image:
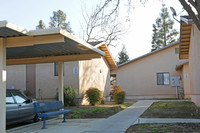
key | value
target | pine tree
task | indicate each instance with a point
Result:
(122, 56)
(163, 32)
(41, 25)
(59, 20)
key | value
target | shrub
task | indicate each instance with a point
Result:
(118, 94)
(93, 96)
(70, 95)
(27, 93)
(119, 97)
(115, 89)
(102, 101)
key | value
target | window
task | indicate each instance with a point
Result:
(163, 78)
(19, 97)
(75, 70)
(176, 50)
(9, 98)
(56, 68)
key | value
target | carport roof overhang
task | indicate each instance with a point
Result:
(42, 46)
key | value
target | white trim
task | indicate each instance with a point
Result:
(100, 44)
(44, 32)
(186, 20)
(13, 27)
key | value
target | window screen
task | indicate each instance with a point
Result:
(162, 78)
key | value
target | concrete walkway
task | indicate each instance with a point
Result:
(56, 126)
(166, 120)
(120, 122)
(117, 123)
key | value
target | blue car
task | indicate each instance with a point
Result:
(19, 108)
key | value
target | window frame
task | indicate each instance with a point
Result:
(14, 102)
(163, 79)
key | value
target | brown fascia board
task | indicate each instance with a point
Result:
(109, 55)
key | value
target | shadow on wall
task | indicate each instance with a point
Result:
(93, 77)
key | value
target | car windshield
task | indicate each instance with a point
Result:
(20, 98)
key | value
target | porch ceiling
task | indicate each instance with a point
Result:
(25, 47)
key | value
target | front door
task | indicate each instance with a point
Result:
(31, 79)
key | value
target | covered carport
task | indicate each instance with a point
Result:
(19, 46)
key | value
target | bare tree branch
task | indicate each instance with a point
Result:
(187, 7)
(102, 24)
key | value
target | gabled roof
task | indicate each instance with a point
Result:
(102, 46)
(185, 36)
(40, 46)
(148, 54)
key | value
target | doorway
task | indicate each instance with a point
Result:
(31, 79)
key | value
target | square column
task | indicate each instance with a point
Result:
(60, 82)
(2, 86)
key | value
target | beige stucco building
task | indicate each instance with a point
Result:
(139, 77)
(148, 76)
(41, 79)
(189, 49)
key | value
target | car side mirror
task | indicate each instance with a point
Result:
(28, 100)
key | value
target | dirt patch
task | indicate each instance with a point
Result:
(172, 109)
(99, 111)
(165, 128)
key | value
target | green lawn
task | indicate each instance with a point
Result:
(165, 128)
(98, 111)
(172, 109)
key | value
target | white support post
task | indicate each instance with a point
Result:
(60, 82)
(2, 86)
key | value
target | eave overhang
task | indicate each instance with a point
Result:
(35, 45)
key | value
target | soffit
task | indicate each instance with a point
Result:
(185, 37)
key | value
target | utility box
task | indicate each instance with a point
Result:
(175, 81)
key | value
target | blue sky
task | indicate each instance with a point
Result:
(27, 13)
